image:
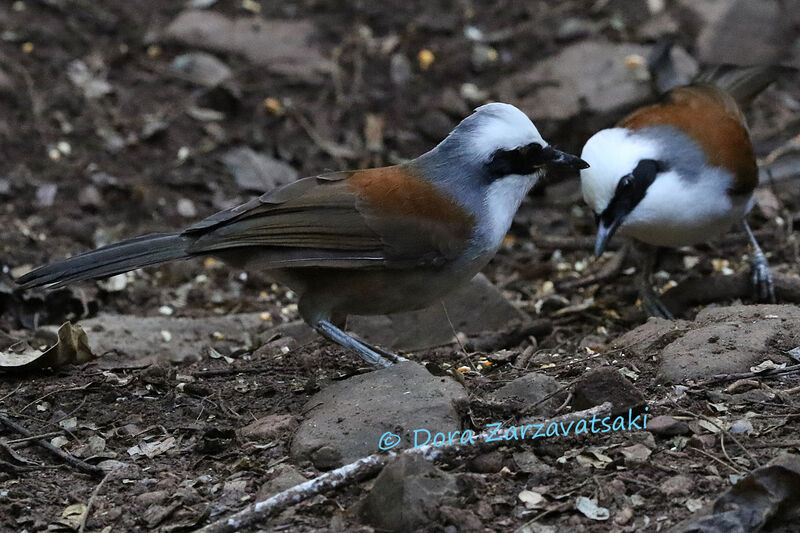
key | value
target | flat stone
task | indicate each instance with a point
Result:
(743, 32)
(529, 463)
(677, 486)
(201, 68)
(257, 172)
(269, 428)
(475, 308)
(284, 477)
(280, 46)
(126, 339)
(407, 495)
(667, 426)
(346, 420)
(731, 339)
(593, 74)
(606, 385)
(487, 463)
(530, 389)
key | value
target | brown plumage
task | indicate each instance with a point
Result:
(712, 118)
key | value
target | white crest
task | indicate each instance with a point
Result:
(493, 127)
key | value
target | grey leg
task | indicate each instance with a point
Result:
(760, 275)
(366, 352)
(651, 304)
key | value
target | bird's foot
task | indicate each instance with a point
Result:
(653, 306)
(761, 278)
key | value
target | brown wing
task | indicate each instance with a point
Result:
(367, 218)
(713, 119)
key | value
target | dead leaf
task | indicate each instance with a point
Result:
(73, 516)
(594, 458)
(767, 365)
(590, 509)
(636, 454)
(72, 347)
(767, 494)
(531, 499)
(152, 449)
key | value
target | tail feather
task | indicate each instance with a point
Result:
(110, 260)
(743, 83)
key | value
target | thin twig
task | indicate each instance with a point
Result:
(10, 394)
(16, 442)
(717, 459)
(722, 430)
(92, 498)
(67, 458)
(722, 378)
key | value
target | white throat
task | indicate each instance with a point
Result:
(502, 201)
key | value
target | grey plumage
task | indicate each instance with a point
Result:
(110, 260)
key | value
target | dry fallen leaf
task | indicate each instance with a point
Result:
(531, 499)
(72, 347)
(590, 509)
(73, 516)
(767, 365)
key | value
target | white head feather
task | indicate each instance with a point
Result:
(612, 154)
(496, 126)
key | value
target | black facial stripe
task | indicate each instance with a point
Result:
(523, 160)
(631, 189)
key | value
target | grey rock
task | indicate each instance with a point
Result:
(743, 32)
(529, 463)
(46, 194)
(407, 494)
(186, 208)
(269, 427)
(590, 73)
(280, 46)
(349, 417)
(399, 69)
(487, 463)
(284, 477)
(677, 486)
(667, 426)
(474, 308)
(125, 339)
(606, 385)
(90, 196)
(149, 498)
(256, 171)
(742, 426)
(201, 68)
(531, 389)
(731, 339)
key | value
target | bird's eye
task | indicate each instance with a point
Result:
(626, 182)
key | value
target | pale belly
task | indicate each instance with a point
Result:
(676, 235)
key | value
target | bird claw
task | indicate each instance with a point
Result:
(654, 307)
(761, 278)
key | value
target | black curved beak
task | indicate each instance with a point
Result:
(604, 234)
(553, 158)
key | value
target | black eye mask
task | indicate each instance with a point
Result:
(631, 189)
(517, 161)
(528, 159)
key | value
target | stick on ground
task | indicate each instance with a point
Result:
(365, 468)
(67, 458)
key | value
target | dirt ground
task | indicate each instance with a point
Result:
(101, 139)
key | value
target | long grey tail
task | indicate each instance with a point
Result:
(110, 260)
